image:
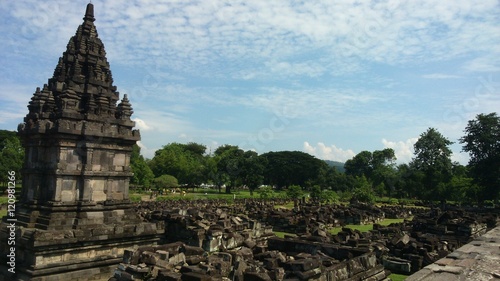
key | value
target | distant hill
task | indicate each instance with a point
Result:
(338, 165)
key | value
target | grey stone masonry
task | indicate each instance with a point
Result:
(74, 216)
(478, 260)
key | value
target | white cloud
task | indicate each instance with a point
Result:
(296, 59)
(402, 149)
(145, 151)
(211, 35)
(484, 64)
(440, 76)
(332, 152)
(141, 124)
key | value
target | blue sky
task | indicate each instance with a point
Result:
(330, 78)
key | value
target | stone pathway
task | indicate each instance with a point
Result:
(479, 260)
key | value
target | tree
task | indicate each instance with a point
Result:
(266, 192)
(230, 165)
(315, 193)
(142, 173)
(363, 191)
(360, 164)
(432, 158)
(461, 187)
(11, 157)
(329, 196)
(285, 168)
(235, 167)
(338, 181)
(183, 161)
(253, 167)
(165, 181)
(482, 142)
(294, 192)
(377, 167)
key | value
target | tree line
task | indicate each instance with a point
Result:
(430, 175)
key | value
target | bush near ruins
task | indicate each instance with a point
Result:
(165, 182)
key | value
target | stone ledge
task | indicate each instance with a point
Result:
(477, 260)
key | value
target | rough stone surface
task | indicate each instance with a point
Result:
(74, 213)
(478, 260)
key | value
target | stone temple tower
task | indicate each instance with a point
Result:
(74, 217)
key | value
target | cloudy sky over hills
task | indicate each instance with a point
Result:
(331, 78)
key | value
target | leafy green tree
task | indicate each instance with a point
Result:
(319, 195)
(294, 192)
(461, 187)
(482, 142)
(142, 173)
(285, 168)
(234, 167)
(183, 161)
(11, 157)
(338, 181)
(433, 160)
(363, 192)
(266, 192)
(408, 182)
(329, 196)
(165, 181)
(360, 164)
(377, 167)
(315, 193)
(5, 134)
(253, 170)
(230, 165)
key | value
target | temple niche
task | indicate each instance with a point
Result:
(74, 216)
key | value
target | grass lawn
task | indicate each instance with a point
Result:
(397, 277)
(364, 227)
(288, 206)
(3, 200)
(208, 193)
(282, 234)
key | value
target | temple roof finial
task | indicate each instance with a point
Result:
(89, 13)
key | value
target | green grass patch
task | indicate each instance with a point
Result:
(365, 227)
(208, 193)
(282, 234)
(135, 198)
(397, 277)
(3, 213)
(360, 227)
(386, 222)
(288, 206)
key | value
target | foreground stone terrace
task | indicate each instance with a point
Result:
(478, 260)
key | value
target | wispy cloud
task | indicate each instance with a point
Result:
(484, 64)
(402, 149)
(210, 70)
(440, 76)
(331, 152)
(217, 35)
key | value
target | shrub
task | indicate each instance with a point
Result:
(165, 181)
(266, 192)
(294, 192)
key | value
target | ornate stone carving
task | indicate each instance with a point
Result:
(76, 172)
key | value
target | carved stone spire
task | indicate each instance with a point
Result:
(89, 13)
(81, 87)
(124, 109)
(78, 144)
